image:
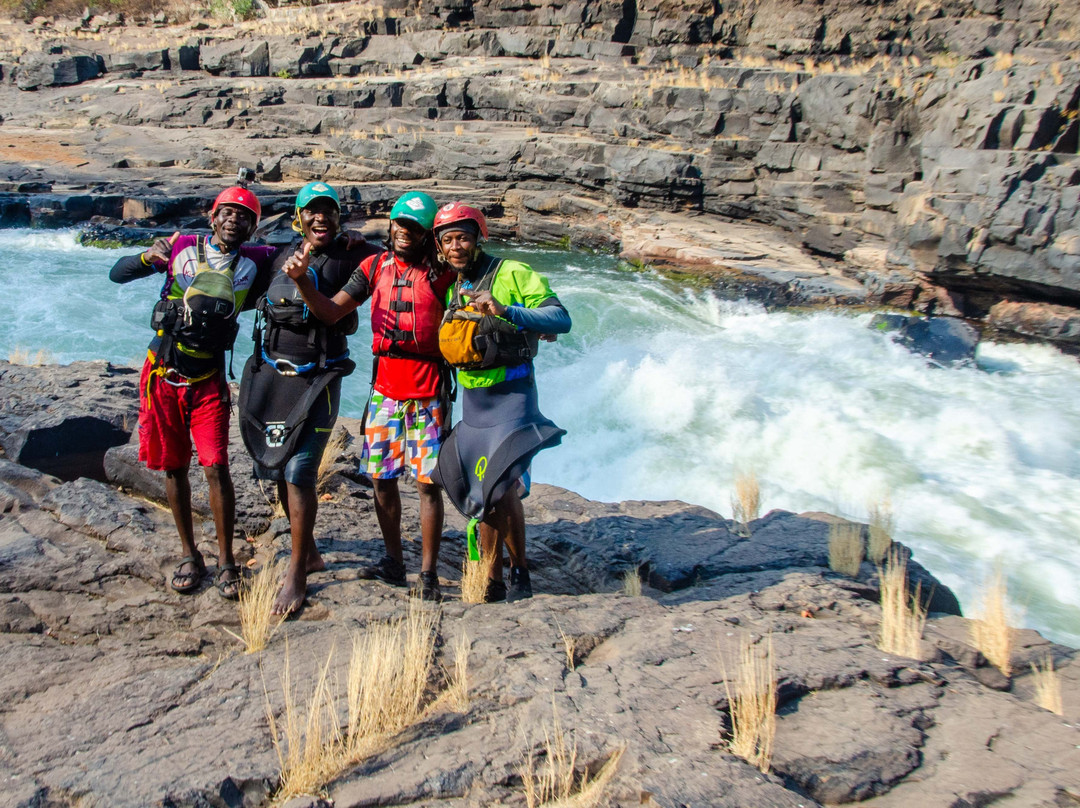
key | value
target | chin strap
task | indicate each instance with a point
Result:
(474, 551)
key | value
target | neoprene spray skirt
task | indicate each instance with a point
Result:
(500, 431)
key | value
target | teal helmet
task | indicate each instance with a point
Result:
(315, 190)
(417, 206)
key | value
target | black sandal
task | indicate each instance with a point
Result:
(224, 583)
(193, 578)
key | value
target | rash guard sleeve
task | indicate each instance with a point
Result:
(131, 268)
(550, 317)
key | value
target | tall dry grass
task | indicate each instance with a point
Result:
(555, 784)
(257, 595)
(384, 693)
(474, 579)
(882, 526)
(752, 700)
(902, 615)
(1047, 686)
(457, 689)
(990, 630)
(569, 647)
(746, 501)
(845, 548)
(334, 447)
(631, 583)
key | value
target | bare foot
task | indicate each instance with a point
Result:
(315, 562)
(291, 596)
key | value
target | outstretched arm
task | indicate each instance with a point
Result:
(327, 309)
(133, 267)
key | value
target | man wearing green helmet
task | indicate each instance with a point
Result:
(407, 413)
(291, 385)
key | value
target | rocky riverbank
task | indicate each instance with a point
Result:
(921, 156)
(118, 690)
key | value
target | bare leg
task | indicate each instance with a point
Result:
(388, 511)
(431, 524)
(302, 507)
(505, 524)
(223, 506)
(178, 493)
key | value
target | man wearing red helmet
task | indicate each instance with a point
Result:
(184, 396)
(483, 465)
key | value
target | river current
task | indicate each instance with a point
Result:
(670, 393)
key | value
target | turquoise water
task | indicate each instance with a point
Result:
(669, 393)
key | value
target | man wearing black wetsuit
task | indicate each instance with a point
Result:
(298, 365)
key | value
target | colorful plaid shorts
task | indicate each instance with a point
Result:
(400, 435)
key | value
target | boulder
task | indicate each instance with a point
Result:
(47, 70)
(236, 58)
(945, 341)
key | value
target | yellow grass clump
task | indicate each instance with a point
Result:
(990, 631)
(569, 647)
(22, 356)
(334, 447)
(882, 525)
(746, 500)
(752, 700)
(384, 694)
(903, 616)
(845, 548)
(474, 578)
(257, 594)
(1047, 686)
(555, 784)
(457, 690)
(631, 583)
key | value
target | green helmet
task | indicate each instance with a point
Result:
(315, 190)
(417, 206)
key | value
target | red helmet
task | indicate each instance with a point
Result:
(459, 212)
(238, 196)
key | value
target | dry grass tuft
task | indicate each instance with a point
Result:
(22, 356)
(334, 447)
(384, 693)
(555, 785)
(457, 690)
(902, 616)
(569, 647)
(746, 500)
(990, 631)
(1047, 686)
(631, 583)
(845, 548)
(474, 578)
(752, 701)
(257, 594)
(882, 525)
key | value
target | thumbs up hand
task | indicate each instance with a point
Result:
(161, 250)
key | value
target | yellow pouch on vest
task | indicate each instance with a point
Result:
(457, 335)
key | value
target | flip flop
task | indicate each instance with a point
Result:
(193, 578)
(224, 583)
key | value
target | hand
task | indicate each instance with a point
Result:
(549, 337)
(161, 250)
(353, 239)
(296, 265)
(484, 303)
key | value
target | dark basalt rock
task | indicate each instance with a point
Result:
(946, 341)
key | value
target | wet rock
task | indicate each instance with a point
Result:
(946, 341)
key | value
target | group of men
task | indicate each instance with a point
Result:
(442, 310)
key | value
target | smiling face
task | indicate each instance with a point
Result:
(232, 225)
(458, 247)
(407, 239)
(319, 222)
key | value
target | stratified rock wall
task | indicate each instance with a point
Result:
(943, 136)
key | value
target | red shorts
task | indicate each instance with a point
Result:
(171, 417)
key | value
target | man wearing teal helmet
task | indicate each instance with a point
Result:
(291, 385)
(408, 408)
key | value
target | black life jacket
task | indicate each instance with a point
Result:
(288, 335)
(199, 328)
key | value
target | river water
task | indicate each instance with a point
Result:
(669, 393)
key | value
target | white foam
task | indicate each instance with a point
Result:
(669, 394)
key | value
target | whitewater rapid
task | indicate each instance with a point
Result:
(670, 393)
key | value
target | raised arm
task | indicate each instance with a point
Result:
(133, 267)
(327, 309)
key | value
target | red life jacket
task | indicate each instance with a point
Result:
(406, 309)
